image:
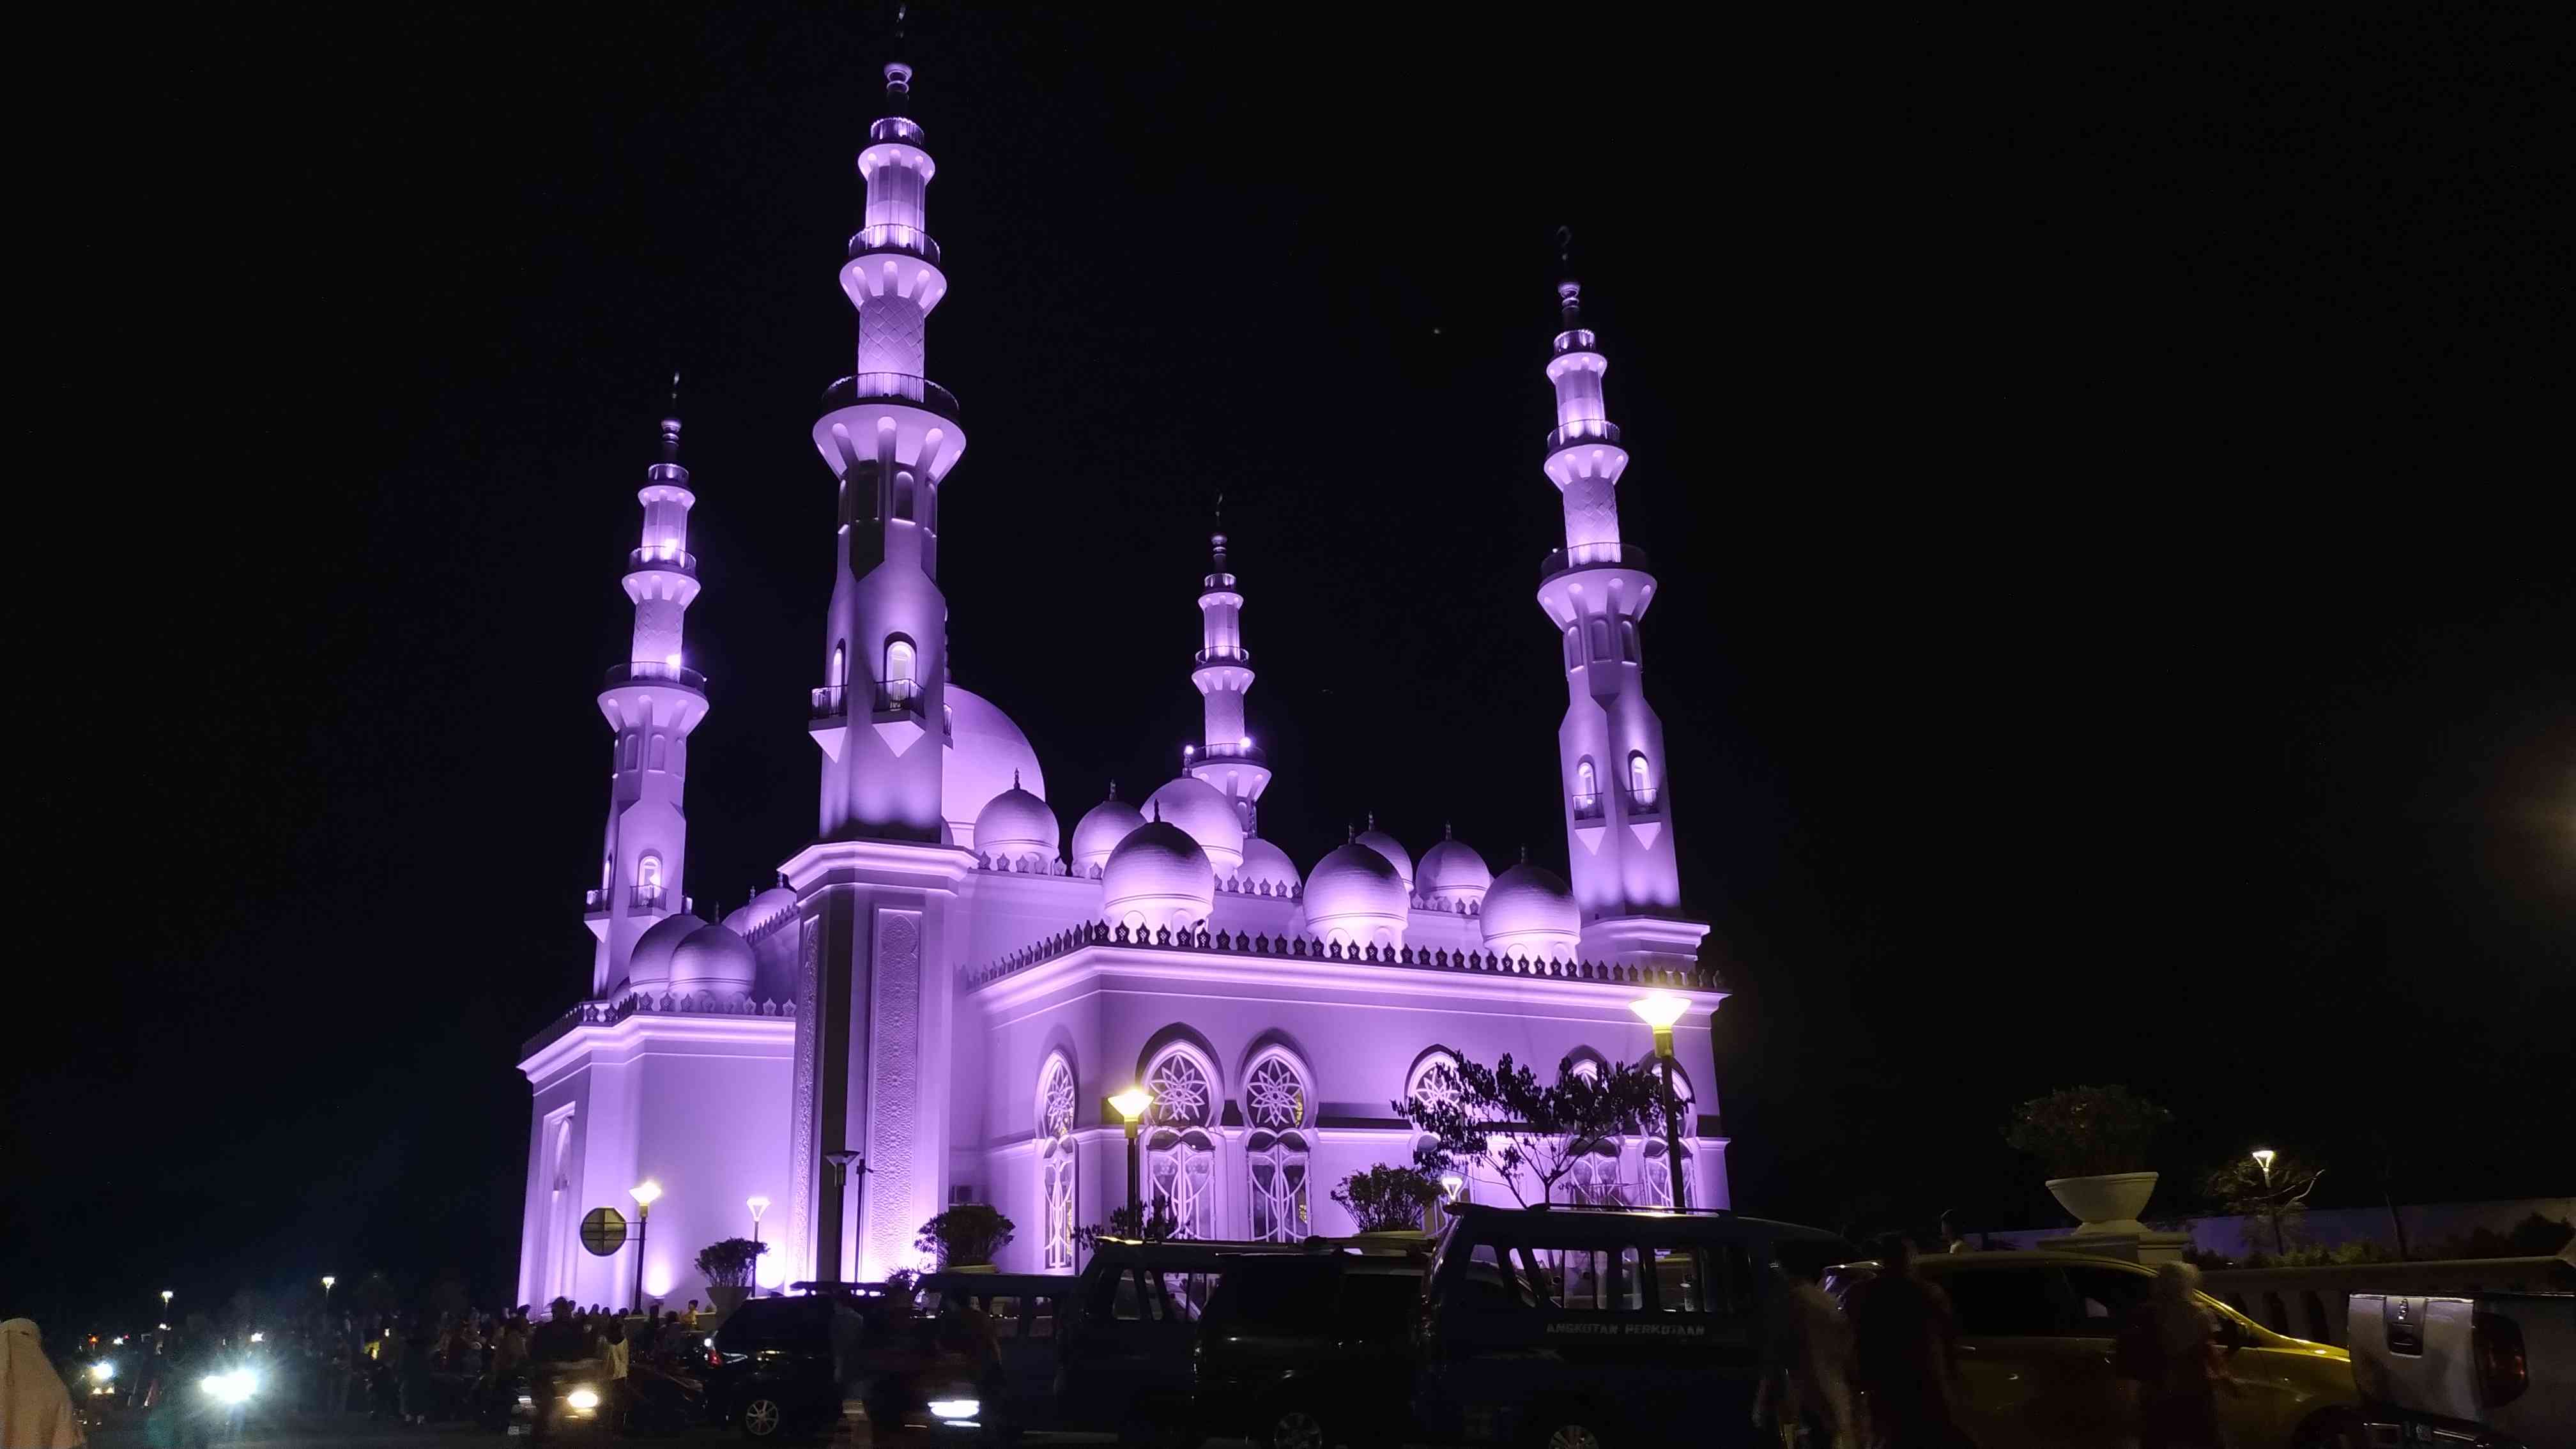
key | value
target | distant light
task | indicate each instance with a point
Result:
(583, 1398)
(1660, 1010)
(673, 661)
(645, 1193)
(955, 1408)
(104, 1371)
(327, 1281)
(257, 1337)
(758, 1205)
(1247, 742)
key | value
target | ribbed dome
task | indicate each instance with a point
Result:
(1530, 912)
(713, 959)
(984, 751)
(1015, 826)
(761, 912)
(648, 966)
(1157, 877)
(1355, 895)
(1101, 828)
(1202, 810)
(1453, 873)
(1393, 849)
(1266, 864)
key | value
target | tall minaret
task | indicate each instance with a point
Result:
(890, 435)
(652, 703)
(1222, 669)
(1610, 749)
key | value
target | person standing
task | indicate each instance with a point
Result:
(1906, 1347)
(35, 1408)
(2169, 1362)
(1806, 1363)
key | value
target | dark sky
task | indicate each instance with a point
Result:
(2113, 624)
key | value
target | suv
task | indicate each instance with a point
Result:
(1576, 1328)
(1308, 1352)
(2036, 1332)
(781, 1365)
(1126, 1364)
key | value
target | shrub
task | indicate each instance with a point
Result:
(1387, 1199)
(729, 1264)
(966, 1235)
(2087, 1131)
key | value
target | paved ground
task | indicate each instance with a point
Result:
(313, 1431)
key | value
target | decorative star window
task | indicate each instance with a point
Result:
(1180, 1089)
(1275, 1097)
(1056, 1117)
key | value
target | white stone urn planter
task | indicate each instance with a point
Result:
(726, 1297)
(2105, 1205)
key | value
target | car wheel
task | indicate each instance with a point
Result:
(1569, 1432)
(1293, 1426)
(762, 1417)
(2331, 1429)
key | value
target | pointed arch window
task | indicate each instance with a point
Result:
(1641, 782)
(1573, 648)
(840, 666)
(1278, 1103)
(1587, 790)
(661, 751)
(1600, 638)
(1056, 1164)
(648, 880)
(1628, 640)
(902, 669)
(1181, 1156)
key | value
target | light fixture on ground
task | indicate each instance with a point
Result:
(1130, 1105)
(1660, 1011)
(645, 1193)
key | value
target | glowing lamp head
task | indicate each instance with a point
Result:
(1130, 1105)
(673, 660)
(327, 1281)
(1247, 742)
(2263, 1159)
(1452, 1184)
(645, 1193)
(758, 1205)
(165, 1295)
(1660, 1010)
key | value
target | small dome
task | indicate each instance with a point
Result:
(1015, 826)
(1393, 849)
(1530, 912)
(713, 959)
(1266, 864)
(984, 752)
(1452, 873)
(761, 913)
(1202, 810)
(1158, 877)
(648, 966)
(1354, 895)
(1101, 828)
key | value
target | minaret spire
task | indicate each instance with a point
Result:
(890, 436)
(1222, 670)
(1610, 747)
(652, 703)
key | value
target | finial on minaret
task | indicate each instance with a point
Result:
(1216, 540)
(1015, 779)
(1448, 831)
(898, 82)
(671, 423)
(1569, 292)
(1524, 855)
(1113, 789)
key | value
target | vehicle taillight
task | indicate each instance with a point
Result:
(2503, 1371)
(714, 1359)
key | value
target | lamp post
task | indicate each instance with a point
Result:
(327, 1281)
(2263, 1159)
(1660, 1011)
(841, 1162)
(1130, 1105)
(758, 1205)
(645, 1194)
(165, 1305)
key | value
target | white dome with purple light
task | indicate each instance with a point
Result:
(712, 959)
(1393, 849)
(1015, 828)
(984, 752)
(648, 967)
(1453, 874)
(1266, 864)
(763, 912)
(1530, 912)
(1157, 878)
(1202, 810)
(1355, 896)
(1101, 828)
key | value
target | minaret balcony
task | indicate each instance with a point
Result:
(1595, 556)
(900, 386)
(645, 671)
(1647, 803)
(1587, 807)
(1247, 752)
(1223, 654)
(661, 558)
(830, 702)
(912, 241)
(1582, 430)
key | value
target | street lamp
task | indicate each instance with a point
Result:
(1660, 1011)
(758, 1205)
(2263, 1159)
(840, 1162)
(1131, 1105)
(645, 1193)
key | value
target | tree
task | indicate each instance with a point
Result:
(1159, 1225)
(966, 1235)
(2271, 1191)
(1501, 1119)
(731, 1262)
(2087, 1131)
(1387, 1199)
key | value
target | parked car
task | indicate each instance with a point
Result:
(2035, 1349)
(1579, 1328)
(1021, 1314)
(1308, 1352)
(2497, 1371)
(772, 1369)
(1126, 1365)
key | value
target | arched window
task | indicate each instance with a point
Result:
(1641, 784)
(1595, 1178)
(1181, 1157)
(1628, 640)
(1056, 1166)
(1655, 1180)
(634, 746)
(840, 666)
(903, 493)
(1587, 790)
(1573, 648)
(1600, 638)
(607, 871)
(901, 680)
(1278, 1103)
(561, 1239)
(661, 751)
(648, 880)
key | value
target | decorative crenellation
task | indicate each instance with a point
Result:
(697, 1003)
(1493, 963)
(1461, 908)
(1232, 885)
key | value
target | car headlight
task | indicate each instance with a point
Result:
(583, 1398)
(102, 1371)
(954, 1408)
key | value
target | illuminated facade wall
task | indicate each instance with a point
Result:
(956, 1011)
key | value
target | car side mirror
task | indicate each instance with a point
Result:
(2231, 1334)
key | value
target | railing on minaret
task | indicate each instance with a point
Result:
(1227, 756)
(652, 702)
(1611, 761)
(890, 436)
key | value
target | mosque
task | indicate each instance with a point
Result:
(938, 998)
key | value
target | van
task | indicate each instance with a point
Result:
(1125, 1367)
(1588, 1328)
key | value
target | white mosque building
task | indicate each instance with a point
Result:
(946, 986)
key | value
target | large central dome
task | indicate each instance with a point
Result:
(984, 751)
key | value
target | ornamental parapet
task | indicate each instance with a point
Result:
(609, 1013)
(1307, 948)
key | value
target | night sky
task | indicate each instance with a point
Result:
(2114, 625)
